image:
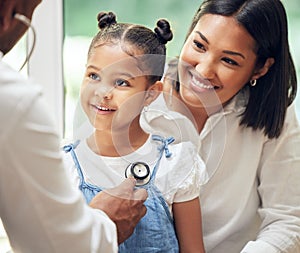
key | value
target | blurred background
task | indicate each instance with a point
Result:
(75, 25)
(80, 25)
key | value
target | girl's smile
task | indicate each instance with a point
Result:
(102, 109)
(113, 89)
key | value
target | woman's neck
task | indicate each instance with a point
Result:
(199, 117)
(196, 115)
(116, 143)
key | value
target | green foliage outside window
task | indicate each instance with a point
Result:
(81, 25)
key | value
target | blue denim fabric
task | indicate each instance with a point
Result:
(155, 232)
(89, 191)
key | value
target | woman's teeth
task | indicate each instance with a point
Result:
(202, 85)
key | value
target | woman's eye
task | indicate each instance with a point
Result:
(199, 45)
(230, 61)
(94, 77)
(121, 83)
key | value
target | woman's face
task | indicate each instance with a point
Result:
(113, 89)
(216, 61)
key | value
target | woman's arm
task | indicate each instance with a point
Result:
(188, 225)
(279, 177)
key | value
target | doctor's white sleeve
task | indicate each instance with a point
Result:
(40, 210)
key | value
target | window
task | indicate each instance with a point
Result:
(81, 25)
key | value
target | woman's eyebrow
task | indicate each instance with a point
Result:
(202, 36)
(234, 53)
(225, 51)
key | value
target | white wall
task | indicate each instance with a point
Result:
(45, 65)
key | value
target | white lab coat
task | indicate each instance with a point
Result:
(251, 203)
(40, 210)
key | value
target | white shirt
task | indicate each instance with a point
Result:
(39, 209)
(251, 203)
(178, 177)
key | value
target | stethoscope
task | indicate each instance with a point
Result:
(26, 21)
(140, 171)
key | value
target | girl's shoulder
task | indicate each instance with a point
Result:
(181, 175)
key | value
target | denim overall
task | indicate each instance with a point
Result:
(155, 232)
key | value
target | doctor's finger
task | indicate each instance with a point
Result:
(123, 190)
(137, 211)
(6, 13)
(140, 194)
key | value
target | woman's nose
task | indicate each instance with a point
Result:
(206, 69)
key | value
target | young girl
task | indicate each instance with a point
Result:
(124, 67)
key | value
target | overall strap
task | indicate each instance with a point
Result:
(71, 148)
(88, 190)
(164, 148)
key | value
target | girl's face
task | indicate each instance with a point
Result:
(217, 60)
(113, 90)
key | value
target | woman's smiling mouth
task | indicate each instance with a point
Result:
(203, 84)
(199, 84)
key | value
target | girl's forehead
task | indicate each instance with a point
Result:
(111, 56)
(115, 56)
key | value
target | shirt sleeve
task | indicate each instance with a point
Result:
(259, 247)
(186, 174)
(279, 190)
(40, 210)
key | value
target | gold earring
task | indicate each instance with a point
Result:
(253, 82)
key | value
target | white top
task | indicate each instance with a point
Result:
(39, 209)
(251, 203)
(178, 178)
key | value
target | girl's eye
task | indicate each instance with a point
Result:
(199, 45)
(230, 61)
(94, 77)
(121, 83)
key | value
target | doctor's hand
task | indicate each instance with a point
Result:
(8, 8)
(123, 205)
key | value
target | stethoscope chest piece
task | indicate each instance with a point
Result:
(139, 171)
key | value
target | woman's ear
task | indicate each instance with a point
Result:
(153, 91)
(264, 69)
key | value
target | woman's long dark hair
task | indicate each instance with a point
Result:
(266, 22)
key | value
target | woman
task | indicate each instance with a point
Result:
(236, 82)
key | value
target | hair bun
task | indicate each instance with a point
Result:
(163, 31)
(106, 19)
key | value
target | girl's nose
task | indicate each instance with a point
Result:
(108, 95)
(104, 91)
